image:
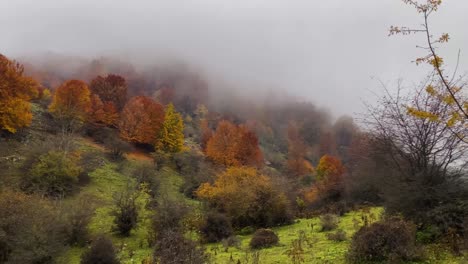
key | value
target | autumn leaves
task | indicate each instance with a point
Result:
(15, 92)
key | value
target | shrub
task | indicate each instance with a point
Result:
(247, 197)
(126, 211)
(263, 238)
(102, 251)
(146, 174)
(77, 217)
(389, 240)
(54, 174)
(172, 247)
(329, 222)
(216, 227)
(168, 217)
(338, 236)
(30, 229)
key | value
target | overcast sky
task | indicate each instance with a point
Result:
(329, 52)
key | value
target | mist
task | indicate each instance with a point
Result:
(330, 53)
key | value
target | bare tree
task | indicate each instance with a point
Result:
(423, 155)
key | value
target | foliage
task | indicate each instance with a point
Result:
(54, 174)
(103, 112)
(390, 240)
(233, 145)
(126, 211)
(247, 197)
(111, 89)
(328, 187)
(263, 238)
(30, 229)
(141, 120)
(171, 134)
(329, 168)
(71, 103)
(216, 227)
(15, 92)
(195, 170)
(102, 251)
(442, 86)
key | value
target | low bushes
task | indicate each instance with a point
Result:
(216, 228)
(54, 174)
(102, 251)
(390, 240)
(263, 238)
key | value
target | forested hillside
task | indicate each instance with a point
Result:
(103, 161)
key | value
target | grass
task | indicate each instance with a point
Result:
(112, 177)
(321, 249)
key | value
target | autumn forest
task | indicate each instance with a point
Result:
(105, 161)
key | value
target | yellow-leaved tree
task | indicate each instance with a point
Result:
(15, 92)
(171, 134)
(247, 197)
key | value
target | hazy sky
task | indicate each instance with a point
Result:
(324, 51)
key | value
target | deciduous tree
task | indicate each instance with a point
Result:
(71, 102)
(171, 134)
(141, 120)
(112, 88)
(104, 113)
(15, 92)
(248, 197)
(233, 145)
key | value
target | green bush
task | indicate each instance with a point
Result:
(53, 174)
(125, 212)
(263, 238)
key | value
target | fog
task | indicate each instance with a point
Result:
(328, 52)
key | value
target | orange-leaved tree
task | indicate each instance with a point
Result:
(112, 88)
(103, 112)
(71, 103)
(329, 179)
(233, 145)
(246, 196)
(141, 120)
(15, 92)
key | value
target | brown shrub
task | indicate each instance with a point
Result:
(389, 240)
(263, 238)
